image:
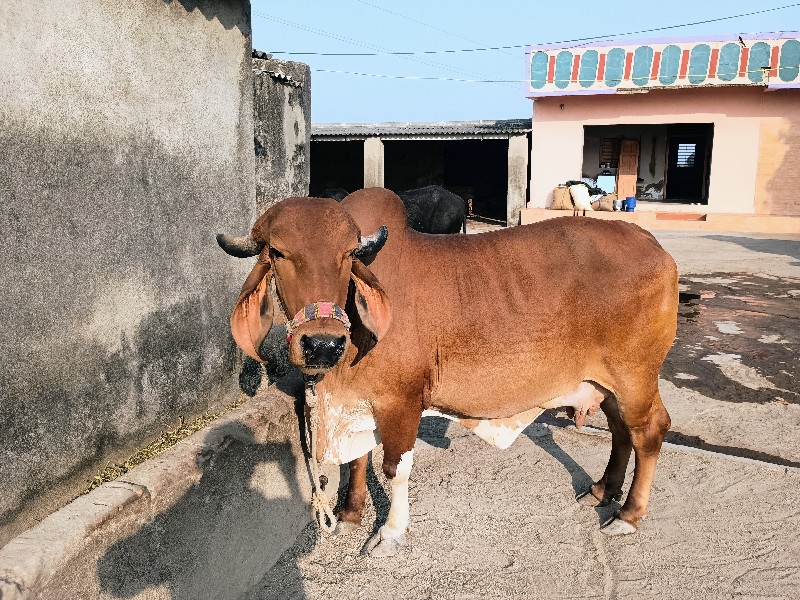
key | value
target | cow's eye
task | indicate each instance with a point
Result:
(275, 254)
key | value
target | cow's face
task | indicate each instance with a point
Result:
(311, 248)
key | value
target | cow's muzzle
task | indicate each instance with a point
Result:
(322, 351)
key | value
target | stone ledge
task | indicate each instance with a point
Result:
(154, 530)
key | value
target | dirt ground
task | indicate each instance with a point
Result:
(504, 524)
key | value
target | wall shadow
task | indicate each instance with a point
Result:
(790, 248)
(215, 540)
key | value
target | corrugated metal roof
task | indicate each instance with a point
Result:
(500, 128)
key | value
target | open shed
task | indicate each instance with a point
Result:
(486, 161)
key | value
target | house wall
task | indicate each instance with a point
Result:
(126, 144)
(282, 115)
(778, 179)
(738, 116)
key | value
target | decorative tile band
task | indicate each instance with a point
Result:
(658, 65)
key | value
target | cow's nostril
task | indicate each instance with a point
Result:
(338, 345)
(322, 350)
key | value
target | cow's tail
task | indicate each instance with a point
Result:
(466, 214)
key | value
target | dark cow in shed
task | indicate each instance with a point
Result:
(336, 193)
(488, 330)
(431, 209)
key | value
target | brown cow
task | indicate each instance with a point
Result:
(485, 329)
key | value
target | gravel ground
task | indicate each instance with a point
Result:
(504, 524)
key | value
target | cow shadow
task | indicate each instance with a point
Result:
(215, 541)
(541, 435)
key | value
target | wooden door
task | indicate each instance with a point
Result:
(628, 170)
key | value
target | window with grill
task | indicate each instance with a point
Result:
(686, 155)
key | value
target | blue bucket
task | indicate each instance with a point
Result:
(629, 204)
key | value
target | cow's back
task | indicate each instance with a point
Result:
(489, 325)
(513, 318)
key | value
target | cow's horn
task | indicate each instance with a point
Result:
(371, 244)
(240, 247)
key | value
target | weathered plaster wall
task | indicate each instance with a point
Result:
(517, 177)
(736, 113)
(125, 145)
(282, 114)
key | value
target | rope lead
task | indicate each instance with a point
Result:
(320, 502)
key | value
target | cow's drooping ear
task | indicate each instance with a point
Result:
(371, 300)
(251, 319)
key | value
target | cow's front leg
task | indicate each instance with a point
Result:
(392, 535)
(398, 426)
(349, 518)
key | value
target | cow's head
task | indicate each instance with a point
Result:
(312, 249)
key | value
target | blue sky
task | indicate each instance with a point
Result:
(377, 26)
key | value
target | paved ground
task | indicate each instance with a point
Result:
(494, 524)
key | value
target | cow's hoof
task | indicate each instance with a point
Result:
(343, 528)
(379, 546)
(616, 526)
(587, 499)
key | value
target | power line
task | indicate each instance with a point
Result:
(518, 46)
(424, 24)
(568, 81)
(419, 77)
(358, 43)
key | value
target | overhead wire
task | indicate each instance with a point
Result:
(359, 43)
(424, 24)
(555, 80)
(518, 46)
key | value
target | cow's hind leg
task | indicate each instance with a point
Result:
(647, 423)
(609, 486)
(398, 432)
(349, 517)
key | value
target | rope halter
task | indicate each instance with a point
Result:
(317, 310)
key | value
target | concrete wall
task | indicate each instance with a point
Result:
(125, 145)
(205, 520)
(373, 162)
(282, 115)
(738, 115)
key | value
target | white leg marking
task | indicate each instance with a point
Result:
(390, 538)
(397, 521)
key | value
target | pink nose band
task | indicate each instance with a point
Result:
(318, 310)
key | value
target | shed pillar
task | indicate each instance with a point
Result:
(373, 162)
(517, 177)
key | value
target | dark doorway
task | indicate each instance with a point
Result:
(688, 163)
(336, 165)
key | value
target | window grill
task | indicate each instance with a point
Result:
(686, 155)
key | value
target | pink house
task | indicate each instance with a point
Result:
(711, 127)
